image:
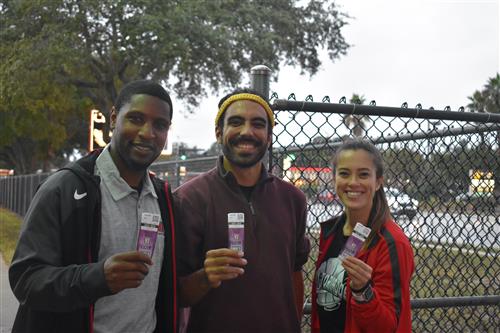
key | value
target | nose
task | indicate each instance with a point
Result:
(246, 129)
(353, 180)
(147, 131)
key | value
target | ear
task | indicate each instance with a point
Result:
(112, 118)
(218, 134)
(380, 182)
(269, 140)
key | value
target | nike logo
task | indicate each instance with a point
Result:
(79, 196)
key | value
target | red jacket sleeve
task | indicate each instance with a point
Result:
(389, 310)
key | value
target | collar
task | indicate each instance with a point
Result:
(333, 225)
(118, 187)
(229, 176)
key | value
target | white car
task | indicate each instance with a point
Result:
(400, 203)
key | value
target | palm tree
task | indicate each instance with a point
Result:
(356, 123)
(488, 101)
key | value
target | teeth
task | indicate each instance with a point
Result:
(143, 148)
(353, 194)
(245, 145)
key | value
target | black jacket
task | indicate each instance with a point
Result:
(55, 274)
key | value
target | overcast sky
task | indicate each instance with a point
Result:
(433, 52)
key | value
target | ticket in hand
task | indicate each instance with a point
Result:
(148, 232)
(236, 231)
(355, 241)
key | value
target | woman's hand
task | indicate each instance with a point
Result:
(359, 272)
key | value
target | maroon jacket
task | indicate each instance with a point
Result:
(262, 299)
(391, 258)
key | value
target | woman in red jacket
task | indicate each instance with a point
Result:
(370, 291)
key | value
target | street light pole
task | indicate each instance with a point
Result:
(430, 130)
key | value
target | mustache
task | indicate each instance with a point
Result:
(143, 144)
(245, 139)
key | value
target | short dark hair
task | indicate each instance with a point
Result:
(146, 87)
(220, 123)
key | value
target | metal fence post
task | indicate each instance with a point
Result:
(261, 75)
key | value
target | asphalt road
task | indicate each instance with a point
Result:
(8, 303)
(478, 230)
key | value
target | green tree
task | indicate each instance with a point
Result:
(488, 100)
(193, 47)
(404, 169)
(213, 150)
(356, 123)
(40, 122)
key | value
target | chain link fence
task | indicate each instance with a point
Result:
(441, 169)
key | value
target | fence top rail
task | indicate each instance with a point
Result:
(190, 160)
(369, 110)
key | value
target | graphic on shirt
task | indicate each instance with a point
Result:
(331, 284)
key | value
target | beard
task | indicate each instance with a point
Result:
(244, 160)
(132, 160)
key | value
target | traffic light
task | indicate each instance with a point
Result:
(183, 157)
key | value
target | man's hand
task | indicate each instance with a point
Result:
(223, 264)
(359, 272)
(126, 270)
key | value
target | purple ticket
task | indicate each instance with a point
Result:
(148, 232)
(146, 242)
(355, 241)
(236, 231)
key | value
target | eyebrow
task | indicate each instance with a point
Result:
(242, 118)
(361, 169)
(139, 112)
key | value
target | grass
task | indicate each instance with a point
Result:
(10, 224)
(452, 272)
(445, 272)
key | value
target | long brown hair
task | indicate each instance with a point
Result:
(380, 211)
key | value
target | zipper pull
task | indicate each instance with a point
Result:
(251, 208)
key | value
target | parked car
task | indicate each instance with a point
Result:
(468, 197)
(326, 196)
(400, 203)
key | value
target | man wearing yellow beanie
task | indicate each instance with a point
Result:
(242, 237)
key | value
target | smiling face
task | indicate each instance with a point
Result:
(140, 130)
(245, 136)
(355, 180)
